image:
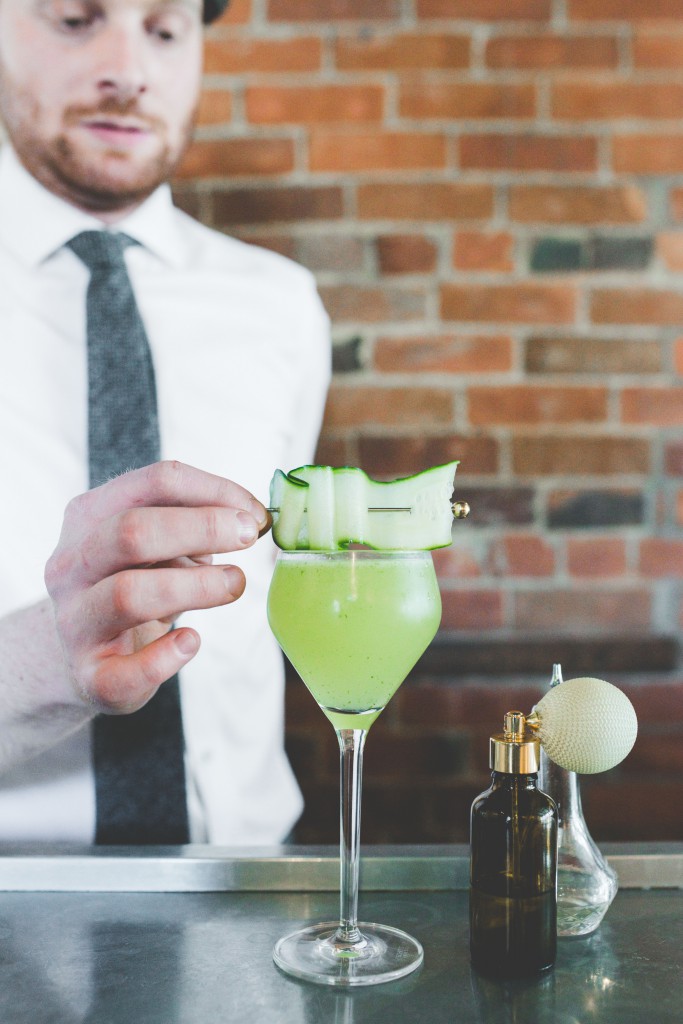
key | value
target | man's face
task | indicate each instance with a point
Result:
(99, 96)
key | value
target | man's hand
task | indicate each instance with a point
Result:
(133, 554)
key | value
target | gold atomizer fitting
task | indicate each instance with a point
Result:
(515, 751)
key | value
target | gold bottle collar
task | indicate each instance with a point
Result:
(515, 751)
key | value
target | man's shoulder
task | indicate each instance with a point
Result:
(211, 250)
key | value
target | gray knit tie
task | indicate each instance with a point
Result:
(139, 765)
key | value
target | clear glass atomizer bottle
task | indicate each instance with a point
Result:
(513, 862)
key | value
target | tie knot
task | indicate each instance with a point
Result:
(100, 248)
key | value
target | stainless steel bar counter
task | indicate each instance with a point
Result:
(184, 936)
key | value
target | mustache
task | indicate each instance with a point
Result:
(113, 106)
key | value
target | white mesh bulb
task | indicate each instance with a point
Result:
(586, 725)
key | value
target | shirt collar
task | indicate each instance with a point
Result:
(35, 223)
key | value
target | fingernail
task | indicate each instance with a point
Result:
(259, 513)
(248, 527)
(185, 641)
(233, 579)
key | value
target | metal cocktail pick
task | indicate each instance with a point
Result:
(460, 509)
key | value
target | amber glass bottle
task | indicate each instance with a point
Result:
(513, 862)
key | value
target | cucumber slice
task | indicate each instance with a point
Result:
(321, 508)
(289, 496)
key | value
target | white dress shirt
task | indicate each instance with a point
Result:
(241, 349)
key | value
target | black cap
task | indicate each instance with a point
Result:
(213, 9)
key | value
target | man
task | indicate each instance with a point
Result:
(98, 98)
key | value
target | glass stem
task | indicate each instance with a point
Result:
(351, 744)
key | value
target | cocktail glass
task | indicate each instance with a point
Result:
(352, 623)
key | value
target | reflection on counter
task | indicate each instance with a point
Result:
(589, 987)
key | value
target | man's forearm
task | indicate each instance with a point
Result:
(38, 706)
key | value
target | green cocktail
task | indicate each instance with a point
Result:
(353, 623)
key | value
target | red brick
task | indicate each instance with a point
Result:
(580, 610)
(573, 355)
(577, 204)
(438, 811)
(401, 756)
(659, 407)
(459, 561)
(307, 750)
(215, 107)
(267, 206)
(591, 100)
(521, 555)
(238, 13)
(329, 252)
(521, 403)
(657, 51)
(677, 203)
(661, 557)
(549, 52)
(405, 52)
(371, 304)
(376, 151)
(389, 457)
(625, 10)
(633, 810)
(494, 505)
(230, 55)
(577, 455)
(658, 753)
(498, 151)
(227, 157)
(472, 609)
(425, 201)
(359, 406)
(481, 250)
(670, 249)
(406, 254)
(475, 100)
(284, 244)
(514, 303)
(447, 353)
(314, 104)
(485, 10)
(332, 10)
(636, 306)
(595, 506)
(596, 557)
(648, 154)
(481, 706)
(187, 199)
(656, 702)
(334, 452)
(673, 458)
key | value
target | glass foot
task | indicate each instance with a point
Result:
(318, 954)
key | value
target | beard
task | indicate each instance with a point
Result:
(105, 184)
(100, 177)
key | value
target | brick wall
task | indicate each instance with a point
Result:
(490, 193)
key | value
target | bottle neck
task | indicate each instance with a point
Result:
(511, 780)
